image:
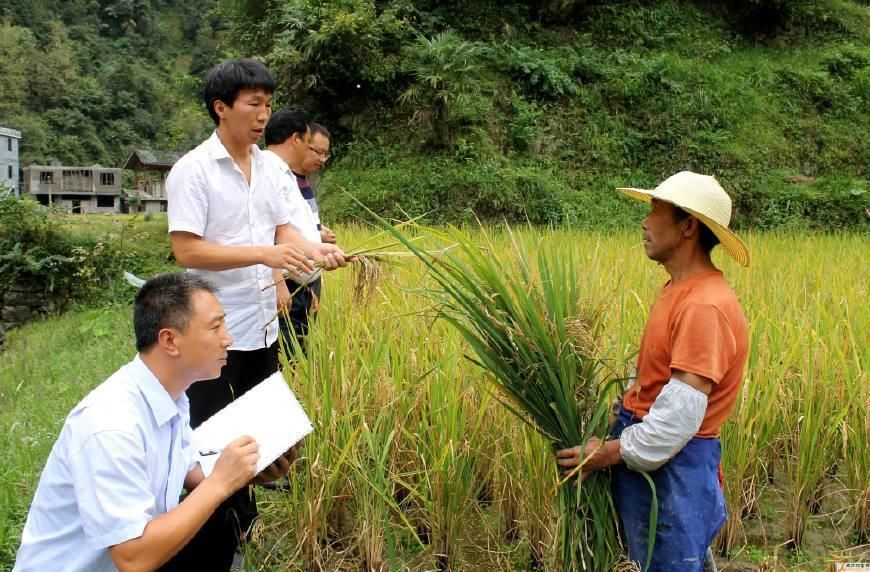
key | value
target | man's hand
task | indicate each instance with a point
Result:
(326, 235)
(285, 298)
(278, 469)
(237, 464)
(331, 255)
(167, 533)
(596, 453)
(285, 256)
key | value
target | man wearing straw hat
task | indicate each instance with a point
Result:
(689, 371)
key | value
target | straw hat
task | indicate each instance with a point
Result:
(702, 196)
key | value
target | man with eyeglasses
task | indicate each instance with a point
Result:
(318, 156)
(296, 148)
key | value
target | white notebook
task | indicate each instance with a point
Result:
(269, 413)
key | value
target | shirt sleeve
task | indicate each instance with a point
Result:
(297, 217)
(279, 181)
(703, 343)
(187, 194)
(111, 482)
(189, 454)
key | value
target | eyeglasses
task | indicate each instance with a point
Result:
(324, 155)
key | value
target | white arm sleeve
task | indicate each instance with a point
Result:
(674, 418)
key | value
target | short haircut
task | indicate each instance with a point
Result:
(165, 301)
(706, 237)
(318, 129)
(224, 82)
(284, 123)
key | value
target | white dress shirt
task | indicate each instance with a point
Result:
(302, 218)
(210, 197)
(120, 460)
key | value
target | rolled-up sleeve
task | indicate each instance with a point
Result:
(111, 483)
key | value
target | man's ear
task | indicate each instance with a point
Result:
(167, 339)
(692, 226)
(220, 108)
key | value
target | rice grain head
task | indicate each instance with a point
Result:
(368, 274)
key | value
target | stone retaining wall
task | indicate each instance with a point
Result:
(21, 303)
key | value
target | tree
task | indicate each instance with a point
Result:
(446, 77)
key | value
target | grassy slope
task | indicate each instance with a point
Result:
(46, 368)
(658, 89)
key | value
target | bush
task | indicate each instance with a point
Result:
(823, 204)
(446, 190)
(544, 74)
(75, 262)
(32, 248)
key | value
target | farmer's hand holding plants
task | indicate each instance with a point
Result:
(278, 469)
(594, 456)
(236, 465)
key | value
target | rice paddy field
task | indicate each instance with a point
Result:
(416, 465)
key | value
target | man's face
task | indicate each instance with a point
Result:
(246, 119)
(299, 145)
(661, 234)
(318, 154)
(203, 345)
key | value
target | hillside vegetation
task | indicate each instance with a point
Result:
(512, 110)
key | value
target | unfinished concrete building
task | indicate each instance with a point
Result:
(80, 190)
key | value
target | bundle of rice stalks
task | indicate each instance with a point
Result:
(518, 313)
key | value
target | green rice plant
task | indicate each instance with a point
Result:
(450, 423)
(853, 359)
(380, 365)
(520, 316)
(374, 498)
(816, 398)
(536, 499)
(321, 486)
(747, 438)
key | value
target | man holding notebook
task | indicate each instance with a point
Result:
(108, 497)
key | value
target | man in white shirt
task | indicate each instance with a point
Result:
(108, 498)
(287, 149)
(228, 223)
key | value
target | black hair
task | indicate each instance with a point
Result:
(706, 237)
(165, 301)
(318, 129)
(224, 82)
(284, 123)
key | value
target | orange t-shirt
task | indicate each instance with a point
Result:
(696, 326)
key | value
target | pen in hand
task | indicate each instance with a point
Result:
(208, 452)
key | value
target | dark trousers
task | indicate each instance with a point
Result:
(212, 548)
(299, 316)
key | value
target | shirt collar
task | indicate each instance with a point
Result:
(218, 151)
(278, 161)
(163, 408)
